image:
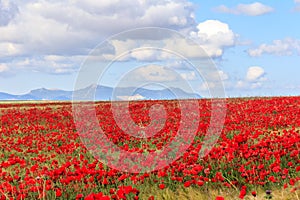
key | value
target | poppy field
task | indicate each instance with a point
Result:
(42, 155)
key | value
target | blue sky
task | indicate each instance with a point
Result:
(254, 44)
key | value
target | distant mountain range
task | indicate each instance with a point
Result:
(102, 93)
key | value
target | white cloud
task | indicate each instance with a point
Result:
(240, 84)
(214, 36)
(254, 73)
(224, 76)
(161, 74)
(254, 78)
(144, 55)
(153, 73)
(10, 49)
(297, 1)
(142, 50)
(287, 46)
(40, 38)
(256, 85)
(188, 75)
(8, 11)
(42, 27)
(213, 76)
(206, 86)
(253, 9)
(212, 80)
(3, 68)
(52, 64)
(72, 28)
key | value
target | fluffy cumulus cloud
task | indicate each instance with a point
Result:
(287, 46)
(253, 9)
(214, 36)
(72, 28)
(211, 38)
(55, 37)
(254, 78)
(255, 73)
